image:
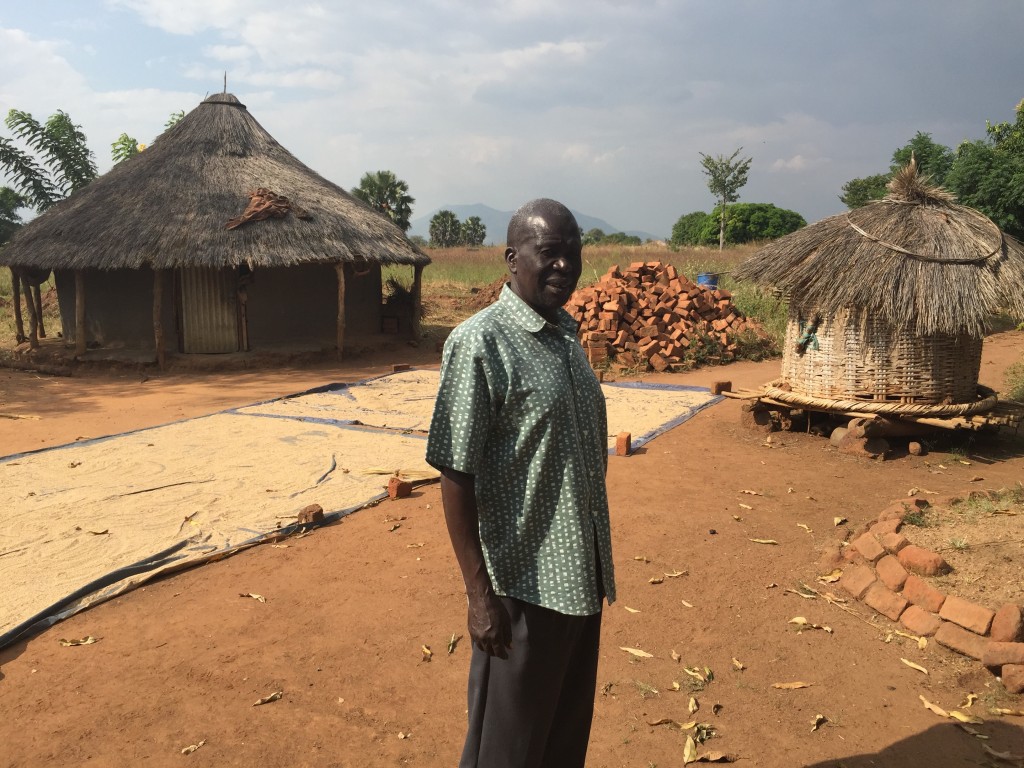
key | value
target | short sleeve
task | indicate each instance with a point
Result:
(463, 411)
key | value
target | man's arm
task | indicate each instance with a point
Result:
(489, 624)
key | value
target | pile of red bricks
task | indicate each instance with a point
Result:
(650, 316)
(886, 575)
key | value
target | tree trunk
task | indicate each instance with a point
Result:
(340, 269)
(79, 312)
(158, 325)
(721, 228)
(417, 300)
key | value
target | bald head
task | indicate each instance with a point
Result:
(534, 216)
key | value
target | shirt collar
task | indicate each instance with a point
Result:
(528, 317)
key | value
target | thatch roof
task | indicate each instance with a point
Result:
(168, 206)
(915, 259)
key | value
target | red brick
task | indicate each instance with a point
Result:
(961, 641)
(868, 546)
(920, 592)
(857, 579)
(885, 601)
(1000, 654)
(891, 573)
(1008, 624)
(623, 444)
(398, 488)
(922, 561)
(919, 621)
(900, 508)
(893, 542)
(851, 555)
(1013, 678)
(968, 615)
(883, 527)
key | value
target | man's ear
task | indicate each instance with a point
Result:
(510, 259)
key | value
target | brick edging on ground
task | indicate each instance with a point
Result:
(884, 573)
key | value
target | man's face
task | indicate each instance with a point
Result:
(546, 265)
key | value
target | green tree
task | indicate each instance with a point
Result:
(473, 231)
(174, 118)
(859, 192)
(989, 174)
(58, 161)
(445, 229)
(10, 220)
(750, 222)
(726, 176)
(932, 159)
(593, 236)
(125, 147)
(689, 229)
(621, 238)
(387, 193)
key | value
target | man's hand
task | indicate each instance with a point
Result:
(489, 625)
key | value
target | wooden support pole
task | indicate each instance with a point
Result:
(80, 340)
(417, 300)
(340, 269)
(158, 324)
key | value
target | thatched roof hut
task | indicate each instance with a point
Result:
(889, 302)
(167, 210)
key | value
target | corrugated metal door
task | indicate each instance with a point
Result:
(209, 310)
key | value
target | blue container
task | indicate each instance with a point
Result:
(708, 280)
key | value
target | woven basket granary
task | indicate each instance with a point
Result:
(852, 357)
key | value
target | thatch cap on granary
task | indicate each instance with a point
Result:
(168, 206)
(916, 260)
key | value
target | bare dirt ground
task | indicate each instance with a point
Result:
(349, 608)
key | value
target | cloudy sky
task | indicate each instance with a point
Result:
(603, 104)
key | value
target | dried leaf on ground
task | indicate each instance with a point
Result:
(764, 541)
(965, 718)
(279, 546)
(276, 695)
(1006, 712)
(745, 506)
(88, 640)
(837, 521)
(394, 527)
(805, 527)
(656, 580)
(716, 757)
(803, 624)
(739, 665)
(192, 747)
(969, 699)
(104, 532)
(912, 665)
(676, 574)
(932, 708)
(971, 731)
(417, 545)
(688, 605)
(817, 722)
(675, 685)
(831, 577)
(453, 643)
(254, 596)
(427, 653)
(641, 558)
(791, 686)
(675, 656)
(1007, 756)
(693, 705)
(804, 595)
(637, 652)
(689, 751)
(631, 610)
(752, 493)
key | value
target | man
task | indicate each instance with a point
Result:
(519, 434)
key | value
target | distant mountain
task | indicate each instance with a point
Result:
(497, 222)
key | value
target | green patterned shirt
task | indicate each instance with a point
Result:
(520, 409)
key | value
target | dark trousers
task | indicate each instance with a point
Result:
(533, 709)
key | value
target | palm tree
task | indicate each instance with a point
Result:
(62, 161)
(387, 193)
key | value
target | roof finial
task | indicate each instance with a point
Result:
(225, 81)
